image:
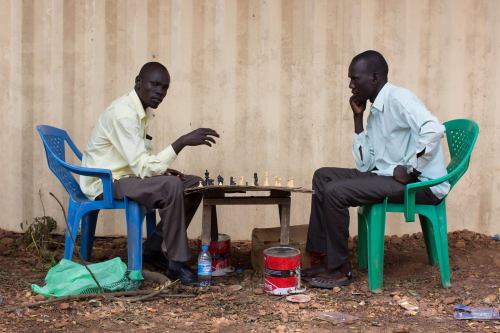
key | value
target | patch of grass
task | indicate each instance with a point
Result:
(38, 236)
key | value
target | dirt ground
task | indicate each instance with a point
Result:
(474, 261)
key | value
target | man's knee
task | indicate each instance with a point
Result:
(196, 179)
(319, 177)
(319, 173)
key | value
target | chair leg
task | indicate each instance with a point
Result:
(87, 234)
(71, 231)
(441, 239)
(362, 240)
(375, 238)
(430, 244)
(134, 218)
(150, 223)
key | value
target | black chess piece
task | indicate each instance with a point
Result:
(207, 177)
(255, 179)
(220, 180)
(210, 182)
(231, 181)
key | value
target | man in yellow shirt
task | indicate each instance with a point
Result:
(120, 142)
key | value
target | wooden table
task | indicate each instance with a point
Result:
(220, 195)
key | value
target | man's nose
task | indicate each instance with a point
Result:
(351, 85)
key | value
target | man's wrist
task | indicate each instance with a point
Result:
(178, 145)
(411, 171)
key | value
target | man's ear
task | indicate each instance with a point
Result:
(138, 81)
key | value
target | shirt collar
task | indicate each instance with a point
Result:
(138, 106)
(378, 104)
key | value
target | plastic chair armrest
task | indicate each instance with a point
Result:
(410, 191)
(104, 174)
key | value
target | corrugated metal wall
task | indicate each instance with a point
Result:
(270, 76)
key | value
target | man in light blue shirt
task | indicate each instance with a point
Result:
(401, 144)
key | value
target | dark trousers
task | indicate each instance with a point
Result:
(165, 193)
(337, 189)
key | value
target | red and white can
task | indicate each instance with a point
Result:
(220, 251)
(281, 270)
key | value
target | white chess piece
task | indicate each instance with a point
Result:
(240, 183)
(266, 179)
(290, 182)
(277, 181)
(200, 184)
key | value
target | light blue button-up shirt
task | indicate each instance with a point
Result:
(400, 126)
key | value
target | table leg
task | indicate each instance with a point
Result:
(284, 210)
(206, 224)
(214, 226)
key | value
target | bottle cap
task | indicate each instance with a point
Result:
(204, 247)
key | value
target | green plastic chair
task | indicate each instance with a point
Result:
(461, 135)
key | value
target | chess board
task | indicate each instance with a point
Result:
(245, 188)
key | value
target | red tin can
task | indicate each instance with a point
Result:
(281, 270)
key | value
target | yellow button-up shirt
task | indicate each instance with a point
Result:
(118, 142)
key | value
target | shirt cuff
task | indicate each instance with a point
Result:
(167, 155)
(359, 137)
(389, 171)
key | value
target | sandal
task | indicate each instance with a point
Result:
(330, 280)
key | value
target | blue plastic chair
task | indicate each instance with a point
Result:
(80, 208)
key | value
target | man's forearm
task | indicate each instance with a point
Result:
(358, 123)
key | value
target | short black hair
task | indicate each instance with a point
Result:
(152, 65)
(375, 60)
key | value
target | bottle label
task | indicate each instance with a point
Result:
(204, 268)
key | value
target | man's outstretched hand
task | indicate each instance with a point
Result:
(200, 136)
(401, 175)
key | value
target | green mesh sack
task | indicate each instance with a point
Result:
(70, 278)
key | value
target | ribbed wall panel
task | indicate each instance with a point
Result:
(270, 76)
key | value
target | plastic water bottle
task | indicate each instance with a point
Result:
(204, 266)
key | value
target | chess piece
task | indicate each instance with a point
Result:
(220, 180)
(266, 179)
(200, 184)
(290, 182)
(255, 179)
(279, 181)
(210, 182)
(207, 178)
(276, 181)
(241, 181)
(231, 181)
(246, 183)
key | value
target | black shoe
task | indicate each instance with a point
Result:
(155, 259)
(181, 271)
